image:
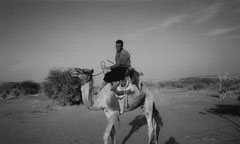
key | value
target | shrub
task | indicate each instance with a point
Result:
(15, 92)
(7, 85)
(28, 87)
(19, 88)
(198, 86)
(3, 95)
(62, 88)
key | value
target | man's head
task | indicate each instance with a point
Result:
(119, 45)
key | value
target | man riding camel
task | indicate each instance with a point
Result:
(117, 72)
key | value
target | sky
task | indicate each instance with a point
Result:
(167, 39)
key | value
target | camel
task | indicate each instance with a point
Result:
(106, 100)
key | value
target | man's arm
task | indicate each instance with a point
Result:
(121, 61)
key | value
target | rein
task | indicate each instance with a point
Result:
(103, 65)
(97, 74)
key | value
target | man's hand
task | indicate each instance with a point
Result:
(106, 70)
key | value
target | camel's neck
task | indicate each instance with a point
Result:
(98, 101)
(87, 93)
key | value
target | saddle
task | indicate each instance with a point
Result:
(134, 77)
(130, 72)
(122, 93)
(131, 76)
(122, 88)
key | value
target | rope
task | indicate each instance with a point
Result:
(97, 74)
(111, 62)
(103, 65)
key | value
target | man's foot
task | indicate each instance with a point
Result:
(121, 111)
(102, 86)
(114, 87)
(121, 105)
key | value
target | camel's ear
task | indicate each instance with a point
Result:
(92, 71)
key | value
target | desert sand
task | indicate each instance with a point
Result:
(188, 117)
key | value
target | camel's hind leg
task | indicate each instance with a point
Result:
(110, 129)
(158, 122)
(152, 125)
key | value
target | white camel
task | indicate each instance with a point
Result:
(106, 100)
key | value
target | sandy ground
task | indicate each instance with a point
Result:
(188, 117)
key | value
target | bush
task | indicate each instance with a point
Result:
(198, 86)
(15, 92)
(16, 89)
(62, 88)
(28, 87)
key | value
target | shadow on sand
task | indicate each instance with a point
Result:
(171, 140)
(232, 110)
(140, 121)
(214, 96)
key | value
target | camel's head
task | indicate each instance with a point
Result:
(82, 74)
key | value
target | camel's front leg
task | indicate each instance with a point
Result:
(110, 129)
